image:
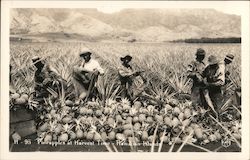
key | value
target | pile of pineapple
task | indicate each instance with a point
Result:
(19, 99)
(23, 100)
(175, 122)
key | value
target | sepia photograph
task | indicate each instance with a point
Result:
(125, 79)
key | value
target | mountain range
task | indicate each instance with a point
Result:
(147, 25)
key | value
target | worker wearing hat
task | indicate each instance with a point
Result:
(89, 64)
(85, 76)
(213, 81)
(46, 77)
(127, 77)
(223, 67)
(229, 58)
(194, 71)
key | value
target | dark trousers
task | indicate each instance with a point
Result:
(217, 98)
(196, 95)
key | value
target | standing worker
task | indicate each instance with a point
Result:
(128, 78)
(85, 76)
(46, 79)
(195, 69)
(214, 79)
(223, 67)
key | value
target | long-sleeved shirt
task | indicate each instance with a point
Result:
(223, 69)
(125, 74)
(215, 75)
(125, 71)
(129, 80)
(93, 65)
(194, 71)
(83, 73)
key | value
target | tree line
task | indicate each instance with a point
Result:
(211, 40)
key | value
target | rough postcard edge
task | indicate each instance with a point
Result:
(6, 5)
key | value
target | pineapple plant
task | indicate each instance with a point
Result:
(90, 135)
(64, 136)
(142, 117)
(111, 135)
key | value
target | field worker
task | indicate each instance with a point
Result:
(195, 69)
(131, 81)
(85, 76)
(214, 79)
(46, 78)
(233, 99)
(223, 67)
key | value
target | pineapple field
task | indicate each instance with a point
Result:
(162, 119)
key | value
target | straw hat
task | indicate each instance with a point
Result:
(127, 57)
(85, 52)
(212, 60)
(229, 57)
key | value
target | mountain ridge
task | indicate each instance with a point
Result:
(141, 24)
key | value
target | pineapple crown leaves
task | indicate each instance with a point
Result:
(102, 120)
(133, 111)
(110, 102)
(145, 126)
(52, 125)
(67, 127)
(49, 116)
(77, 121)
(78, 124)
(92, 124)
(151, 110)
(115, 124)
(41, 137)
(93, 128)
(113, 108)
(166, 111)
(195, 113)
(52, 92)
(49, 102)
(32, 104)
(64, 112)
(236, 124)
(125, 101)
(188, 103)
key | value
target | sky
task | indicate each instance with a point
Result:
(228, 10)
(226, 7)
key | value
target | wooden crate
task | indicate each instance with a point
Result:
(22, 121)
(23, 128)
(21, 114)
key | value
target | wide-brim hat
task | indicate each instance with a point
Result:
(85, 52)
(229, 57)
(127, 57)
(200, 52)
(37, 59)
(212, 60)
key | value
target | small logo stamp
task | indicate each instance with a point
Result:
(226, 142)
